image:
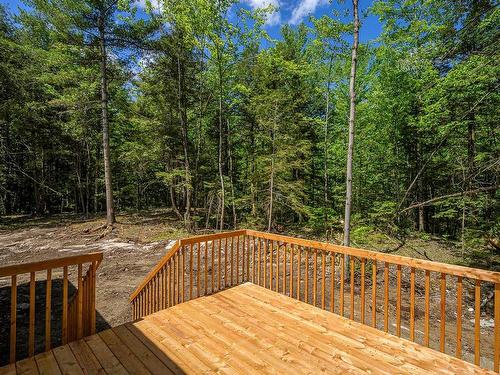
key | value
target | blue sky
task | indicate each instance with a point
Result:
(291, 12)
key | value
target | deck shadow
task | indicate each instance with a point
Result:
(22, 321)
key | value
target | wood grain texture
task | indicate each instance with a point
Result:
(247, 329)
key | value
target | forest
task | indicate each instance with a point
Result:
(115, 105)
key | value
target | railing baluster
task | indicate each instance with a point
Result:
(284, 267)
(458, 352)
(169, 281)
(443, 313)
(412, 304)
(244, 241)
(292, 246)
(342, 278)
(306, 284)
(48, 312)
(148, 299)
(477, 322)
(315, 276)
(351, 265)
(162, 288)
(191, 272)
(264, 268)
(231, 266)
(156, 293)
(386, 297)
(277, 284)
(13, 318)
(179, 276)
(213, 267)
(271, 264)
(496, 337)
(206, 268)
(79, 324)
(183, 267)
(374, 294)
(64, 329)
(198, 270)
(93, 298)
(332, 282)
(398, 301)
(299, 250)
(259, 278)
(219, 264)
(238, 260)
(175, 279)
(248, 259)
(323, 279)
(363, 260)
(427, 307)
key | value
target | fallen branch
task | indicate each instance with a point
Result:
(433, 200)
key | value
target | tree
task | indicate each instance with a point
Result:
(352, 115)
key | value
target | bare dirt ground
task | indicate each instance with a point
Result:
(130, 251)
(138, 241)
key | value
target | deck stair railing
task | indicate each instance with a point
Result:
(78, 313)
(193, 267)
(361, 285)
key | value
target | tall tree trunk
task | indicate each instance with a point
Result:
(231, 174)
(110, 212)
(252, 171)
(352, 115)
(183, 123)
(471, 155)
(221, 175)
(325, 147)
(420, 190)
(271, 181)
(79, 181)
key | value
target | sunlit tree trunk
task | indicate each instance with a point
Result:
(352, 115)
(325, 147)
(110, 212)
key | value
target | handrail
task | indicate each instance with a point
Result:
(212, 237)
(451, 269)
(17, 269)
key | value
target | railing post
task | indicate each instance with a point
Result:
(13, 317)
(93, 298)
(496, 361)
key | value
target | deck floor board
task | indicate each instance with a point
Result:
(243, 330)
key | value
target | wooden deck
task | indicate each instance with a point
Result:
(245, 329)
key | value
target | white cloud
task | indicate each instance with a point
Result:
(155, 4)
(273, 18)
(303, 9)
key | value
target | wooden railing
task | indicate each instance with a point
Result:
(193, 267)
(410, 298)
(78, 316)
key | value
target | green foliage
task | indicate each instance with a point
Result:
(220, 109)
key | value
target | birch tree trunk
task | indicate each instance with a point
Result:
(110, 212)
(352, 115)
(221, 175)
(325, 147)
